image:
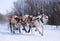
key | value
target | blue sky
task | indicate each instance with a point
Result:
(5, 5)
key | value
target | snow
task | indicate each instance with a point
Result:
(51, 33)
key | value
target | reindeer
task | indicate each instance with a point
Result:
(38, 22)
(28, 20)
(14, 23)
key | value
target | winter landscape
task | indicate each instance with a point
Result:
(51, 33)
(29, 20)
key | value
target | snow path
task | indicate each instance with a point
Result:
(51, 33)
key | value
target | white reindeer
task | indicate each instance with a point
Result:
(39, 23)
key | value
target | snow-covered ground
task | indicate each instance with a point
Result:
(51, 33)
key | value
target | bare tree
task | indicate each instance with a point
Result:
(34, 6)
(18, 9)
(53, 11)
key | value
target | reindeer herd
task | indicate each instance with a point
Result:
(36, 22)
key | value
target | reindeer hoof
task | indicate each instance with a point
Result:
(16, 28)
(41, 34)
(35, 29)
(23, 29)
(13, 32)
(28, 31)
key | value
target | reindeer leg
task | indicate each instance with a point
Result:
(13, 29)
(19, 28)
(39, 31)
(29, 28)
(10, 26)
(24, 28)
(42, 30)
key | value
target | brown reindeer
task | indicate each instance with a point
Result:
(14, 22)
